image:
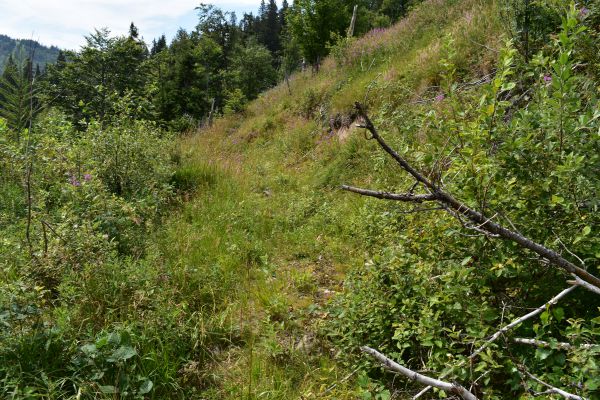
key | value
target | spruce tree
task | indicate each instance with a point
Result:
(283, 13)
(17, 95)
(158, 45)
(272, 29)
(134, 33)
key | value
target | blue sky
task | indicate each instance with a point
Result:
(63, 23)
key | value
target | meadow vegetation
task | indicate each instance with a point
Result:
(226, 263)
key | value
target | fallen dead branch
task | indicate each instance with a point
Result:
(520, 320)
(472, 220)
(554, 390)
(451, 388)
(481, 222)
(558, 345)
(508, 327)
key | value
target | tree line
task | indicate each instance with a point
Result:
(216, 68)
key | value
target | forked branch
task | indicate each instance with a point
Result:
(522, 319)
(447, 387)
(444, 198)
(554, 390)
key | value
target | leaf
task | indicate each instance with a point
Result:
(108, 389)
(557, 199)
(592, 383)
(542, 354)
(121, 354)
(508, 86)
(545, 317)
(96, 376)
(586, 231)
(101, 342)
(114, 338)
(559, 314)
(385, 395)
(89, 349)
(146, 387)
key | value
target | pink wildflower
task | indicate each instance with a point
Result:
(73, 181)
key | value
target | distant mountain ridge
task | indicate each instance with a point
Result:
(21, 48)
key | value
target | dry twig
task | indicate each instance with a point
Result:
(447, 387)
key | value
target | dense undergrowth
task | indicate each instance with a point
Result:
(266, 279)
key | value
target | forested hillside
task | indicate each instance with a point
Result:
(400, 204)
(21, 49)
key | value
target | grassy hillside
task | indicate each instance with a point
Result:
(228, 263)
(328, 271)
(272, 198)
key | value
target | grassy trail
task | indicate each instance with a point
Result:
(267, 238)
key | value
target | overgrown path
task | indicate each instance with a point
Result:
(267, 238)
(260, 240)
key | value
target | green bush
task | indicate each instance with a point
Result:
(437, 294)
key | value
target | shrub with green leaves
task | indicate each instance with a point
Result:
(71, 199)
(523, 149)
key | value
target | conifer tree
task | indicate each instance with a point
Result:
(271, 28)
(17, 95)
(283, 14)
(158, 45)
(134, 33)
(105, 67)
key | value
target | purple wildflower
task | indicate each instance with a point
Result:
(440, 97)
(584, 12)
(87, 177)
(547, 78)
(73, 181)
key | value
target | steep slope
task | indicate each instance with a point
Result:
(269, 195)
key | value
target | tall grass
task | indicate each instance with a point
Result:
(231, 295)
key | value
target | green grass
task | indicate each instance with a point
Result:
(232, 294)
(275, 223)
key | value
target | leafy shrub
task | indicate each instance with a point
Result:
(235, 103)
(109, 363)
(310, 103)
(439, 293)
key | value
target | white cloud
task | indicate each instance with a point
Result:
(65, 22)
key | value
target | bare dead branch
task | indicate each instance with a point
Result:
(584, 284)
(553, 389)
(474, 216)
(569, 251)
(447, 387)
(559, 345)
(47, 225)
(520, 320)
(29, 206)
(418, 210)
(406, 197)
(506, 328)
